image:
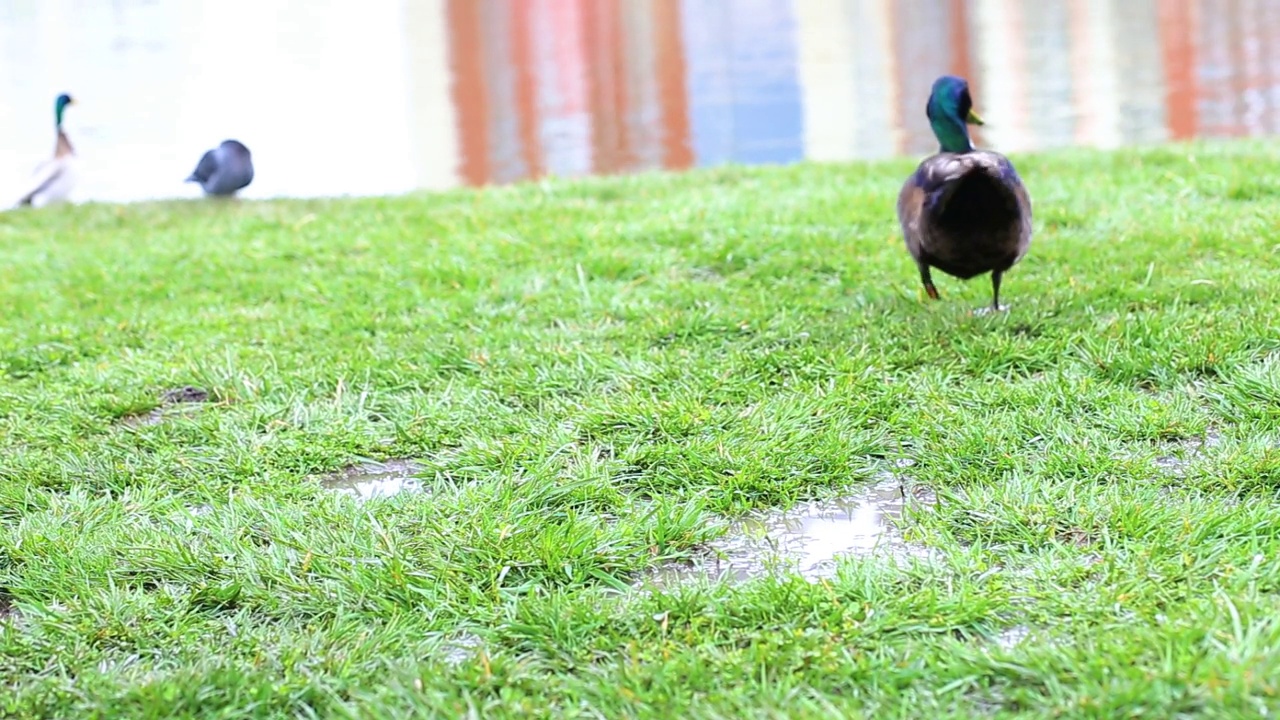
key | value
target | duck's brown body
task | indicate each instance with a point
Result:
(965, 214)
(63, 147)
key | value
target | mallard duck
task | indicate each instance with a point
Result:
(54, 179)
(224, 170)
(963, 211)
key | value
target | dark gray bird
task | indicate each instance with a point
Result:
(224, 170)
(963, 211)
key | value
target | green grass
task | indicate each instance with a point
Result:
(596, 375)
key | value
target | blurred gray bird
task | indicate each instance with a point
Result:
(224, 170)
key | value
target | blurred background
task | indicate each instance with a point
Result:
(338, 97)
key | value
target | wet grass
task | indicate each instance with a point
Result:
(595, 378)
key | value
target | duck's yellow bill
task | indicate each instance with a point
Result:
(973, 118)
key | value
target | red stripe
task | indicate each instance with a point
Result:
(677, 151)
(526, 88)
(1178, 56)
(602, 33)
(469, 89)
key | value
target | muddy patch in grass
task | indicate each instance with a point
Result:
(184, 394)
(370, 480)
(808, 538)
(177, 401)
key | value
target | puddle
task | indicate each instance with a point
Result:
(1010, 638)
(177, 401)
(460, 649)
(989, 701)
(808, 538)
(376, 480)
(186, 518)
(705, 274)
(155, 417)
(1185, 452)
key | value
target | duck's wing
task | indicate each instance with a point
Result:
(925, 193)
(910, 210)
(46, 174)
(205, 169)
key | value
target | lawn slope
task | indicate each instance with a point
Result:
(596, 375)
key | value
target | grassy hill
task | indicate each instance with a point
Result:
(595, 379)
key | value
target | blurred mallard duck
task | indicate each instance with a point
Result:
(964, 211)
(54, 179)
(224, 170)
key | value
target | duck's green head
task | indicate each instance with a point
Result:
(60, 105)
(950, 110)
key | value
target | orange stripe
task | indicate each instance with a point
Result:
(526, 87)
(602, 128)
(961, 58)
(677, 152)
(1178, 55)
(469, 89)
(618, 101)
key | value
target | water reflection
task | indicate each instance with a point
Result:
(370, 480)
(365, 98)
(807, 539)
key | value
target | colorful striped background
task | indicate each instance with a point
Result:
(386, 96)
(569, 87)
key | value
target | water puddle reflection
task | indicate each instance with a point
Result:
(1186, 452)
(457, 650)
(808, 538)
(376, 480)
(1010, 638)
(186, 518)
